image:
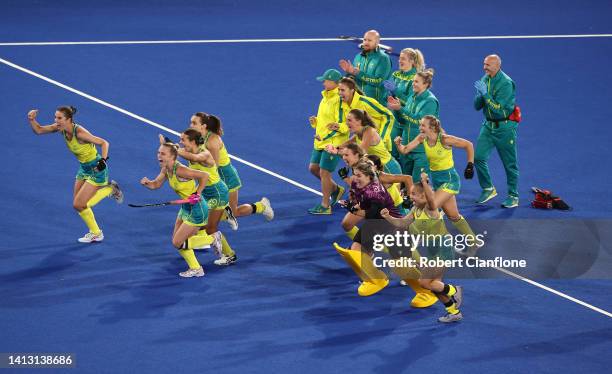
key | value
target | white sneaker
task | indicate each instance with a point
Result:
(268, 212)
(226, 260)
(90, 237)
(231, 218)
(189, 273)
(216, 244)
(117, 194)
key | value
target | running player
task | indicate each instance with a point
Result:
(423, 220)
(368, 197)
(192, 215)
(215, 193)
(211, 129)
(91, 184)
(445, 179)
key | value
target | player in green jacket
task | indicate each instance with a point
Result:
(399, 85)
(495, 97)
(422, 102)
(370, 68)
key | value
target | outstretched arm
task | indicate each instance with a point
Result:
(37, 127)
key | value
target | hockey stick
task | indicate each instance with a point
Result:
(172, 202)
(386, 48)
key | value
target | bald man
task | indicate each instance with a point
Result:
(495, 97)
(370, 67)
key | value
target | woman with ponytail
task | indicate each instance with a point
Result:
(445, 180)
(399, 86)
(211, 129)
(215, 193)
(91, 184)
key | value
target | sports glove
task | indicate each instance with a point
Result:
(194, 198)
(343, 172)
(101, 165)
(469, 171)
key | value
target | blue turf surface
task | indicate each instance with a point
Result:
(290, 302)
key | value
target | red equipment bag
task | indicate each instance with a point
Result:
(544, 199)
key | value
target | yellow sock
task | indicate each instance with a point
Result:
(451, 290)
(100, 194)
(190, 258)
(198, 241)
(259, 208)
(352, 232)
(463, 226)
(225, 247)
(452, 308)
(88, 217)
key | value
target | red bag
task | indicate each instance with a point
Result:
(516, 114)
(544, 199)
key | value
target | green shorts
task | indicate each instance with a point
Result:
(392, 167)
(216, 195)
(194, 215)
(87, 173)
(229, 175)
(446, 180)
(324, 159)
(413, 163)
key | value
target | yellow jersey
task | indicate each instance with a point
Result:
(183, 187)
(213, 173)
(224, 159)
(86, 152)
(440, 157)
(379, 150)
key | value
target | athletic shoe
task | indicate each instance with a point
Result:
(458, 296)
(423, 300)
(189, 273)
(216, 244)
(231, 218)
(319, 209)
(451, 318)
(486, 195)
(368, 288)
(117, 194)
(268, 212)
(510, 202)
(90, 237)
(336, 195)
(226, 260)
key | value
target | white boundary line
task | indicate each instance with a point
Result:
(272, 40)
(130, 114)
(508, 272)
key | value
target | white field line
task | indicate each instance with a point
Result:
(298, 40)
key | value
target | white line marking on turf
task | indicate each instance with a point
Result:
(534, 283)
(297, 40)
(149, 122)
(297, 184)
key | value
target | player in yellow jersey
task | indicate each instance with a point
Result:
(424, 220)
(216, 192)
(91, 184)
(192, 215)
(211, 129)
(445, 179)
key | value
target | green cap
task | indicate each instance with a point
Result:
(330, 75)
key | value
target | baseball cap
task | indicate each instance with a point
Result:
(330, 75)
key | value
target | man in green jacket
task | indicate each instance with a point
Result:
(495, 97)
(370, 67)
